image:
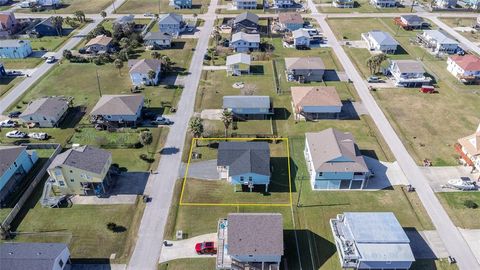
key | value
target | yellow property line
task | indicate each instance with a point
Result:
(236, 204)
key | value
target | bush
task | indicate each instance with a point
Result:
(97, 61)
(470, 204)
(111, 226)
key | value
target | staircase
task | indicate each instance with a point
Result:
(48, 199)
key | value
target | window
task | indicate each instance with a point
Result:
(242, 178)
(72, 180)
(15, 163)
(61, 263)
(250, 178)
(320, 174)
(61, 183)
(71, 171)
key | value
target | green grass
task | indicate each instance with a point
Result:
(57, 135)
(25, 63)
(70, 6)
(152, 6)
(361, 6)
(463, 22)
(462, 216)
(182, 264)
(8, 83)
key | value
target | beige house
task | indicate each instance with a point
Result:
(99, 44)
(45, 112)
(81, 170)
(314, 102)
(469, 149)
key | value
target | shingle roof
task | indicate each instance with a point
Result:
(255, 234)
(244, 157)
(5, 17)
(309, 63)
(412, 19)
(22, 256)
(246, 16)
(100, 40)
(157, 36)
(383, 38)
(246, 37)
(440, 37)
(471, 143)
(260, 102)
(8, 154)
(170, 18)
(331, 144)
(15, 43)
(315, 96)
(85, 158)
(144, 65)
(125, 19)
(409, 66)
(467, 62)
(239, 58)
(47, 106)
(290, 18)
(117, 105)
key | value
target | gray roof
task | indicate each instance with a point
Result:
(413, 19)
(246, 102)
(125, 19)
(22, 256)
(157, 36)
(8, 154)
(383, 38)
(15, 43)
(117, 105)
(246, 16)
(255, 234)
(143, 66)
(409, 66)
(239, 58)
(300, 63)
(300, 33)
(170, 18)
(47, 106)
(244, 157)
(329, 145)
(47, 21)
(439, 36)
(375, 227)
(85, 158)
(246, 37)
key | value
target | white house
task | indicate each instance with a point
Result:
(245, 4)
(380, 41)
(238, 64)
(465, 68)
(301, 38)
(45, 256)
(408, 73)
(243, 42)
(445, 3)
(384, 3)
(438, 42)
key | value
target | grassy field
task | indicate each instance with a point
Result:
(70, 6)
(152, 6)
(462, 216)
(184, 264)
(21, 63)
(463, 22)
(411, 113)
(361, 6)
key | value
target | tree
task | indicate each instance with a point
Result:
(145, 138)
(379, 59)
(67, 54)
(166, 63)
(371, 64)
(195, 127)
(80, 15)
(227, 119)
(119, 65)
(124, 42)
(152, 75)
(155, 55)
(57, 22)
(103, 14)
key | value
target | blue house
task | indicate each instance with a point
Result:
(46, 28)
(15, 163)
(122, 110)
(244, 163)
(140, 71)
(13, 48)
(171, 23)
(179, 4)
(334, 161)
(248, 106)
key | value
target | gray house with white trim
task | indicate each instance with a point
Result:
(380, 41)
(40, 256)
(45, 112)
(244, 42)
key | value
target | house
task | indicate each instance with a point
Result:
(48, 3)
(408, 73)
(15, 163)
(125, 20)
(158, 40)
(171, 23)
(180, 4)
(44, 256)
(469, 149)
(409, 22)
(438, 42)
(301, 38)
(81, 170)
(4, 2)
(371, 240)
(121, 109)
(245, 4)
(250, 240)
(46, 27)
(140, 71)
(8, 24)
(46, 112)
(343, 3)
(243, 42)
(290, 21)
(99, 44)
(251, 107)
(244, 163)
(245, 22)
(465, 68)
(2, 70)
(472, 4)
(314, 102)
(380, 41)
(304, 69)
(14, 48)
(334, 161)
(237, 64)
(384, 3)
(445, 3)
(283, 3)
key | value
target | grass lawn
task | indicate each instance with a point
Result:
(152, 6)
(8, 83)
(411, 113)
(182, 264)
(25, 63)
(70, 6)
(463, 22)
(462, 216)
(361, 6)
(57, 135)
(180, 53)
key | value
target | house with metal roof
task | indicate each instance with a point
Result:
(238, 64)
(46, 112)
(380, 41)
(371, 240)
(141, 71)
(334, 160)
(15, 48)
(248, 107)
(250, 241)
(245, 22)
(158, 40)
(465, 68)
(120, 109)
(244, 163)
(171, 23)
(40, 256)
(343, 3)
(301, 38)
(304, 69)
(408, 73)
(245, 4)
(290, 21)
(244, 42)
(469, 149)
(438, 42)
(15, 163)
(180, 4)
(81, 170)
(315, 102)
(99, 44)
(384, 3)
(409, 22)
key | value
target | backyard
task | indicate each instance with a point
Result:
(160, 6)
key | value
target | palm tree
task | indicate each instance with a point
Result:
(379, 59)
(57, 22)
(166, 63)
(227, 119)
(103, 14)
(145, 138)
(119, 65)
(80, 15)
(155, 55)
(371, 64)
(152, 75)
(195, 127)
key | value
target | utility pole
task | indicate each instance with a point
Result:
(98, 83)
(113, 5)
(413, 3)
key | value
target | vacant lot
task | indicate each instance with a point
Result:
(464, 22)
(361, 6)
(182, 264)
(462, 216)
(160, 6)
(70, 6)
(415, 116)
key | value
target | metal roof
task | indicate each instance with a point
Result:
(239, 58)
(439, 36)
(21, 256)
(300, 33)
(246, 37)
(383, 38)
(244, 157)
(246, 102)
(375, 227)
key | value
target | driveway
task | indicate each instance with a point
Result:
(204, 170)
(473, 239)
(211, 114)
(426, 244)
(98, 267)
(438, 176)
(387, 174)
(214, 67)
(185, 248)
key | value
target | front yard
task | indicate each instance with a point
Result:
(454, 204)
(160, 6)
(70, 6)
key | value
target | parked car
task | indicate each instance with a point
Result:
(14, 114)
(205, 248)
(38, 135)
(148, 14)
(160, 120)
(8, 123)
(16, 134)
(373, 79)
(51, 59)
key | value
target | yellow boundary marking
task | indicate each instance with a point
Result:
(237, 204)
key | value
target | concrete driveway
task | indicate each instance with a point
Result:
(473, 240)
(204, 170)
(438, 176)
(426, 244)
(386, 174)
(185, 248)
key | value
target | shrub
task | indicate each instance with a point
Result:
(470, 204)
(97, 61)
(111, 226)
